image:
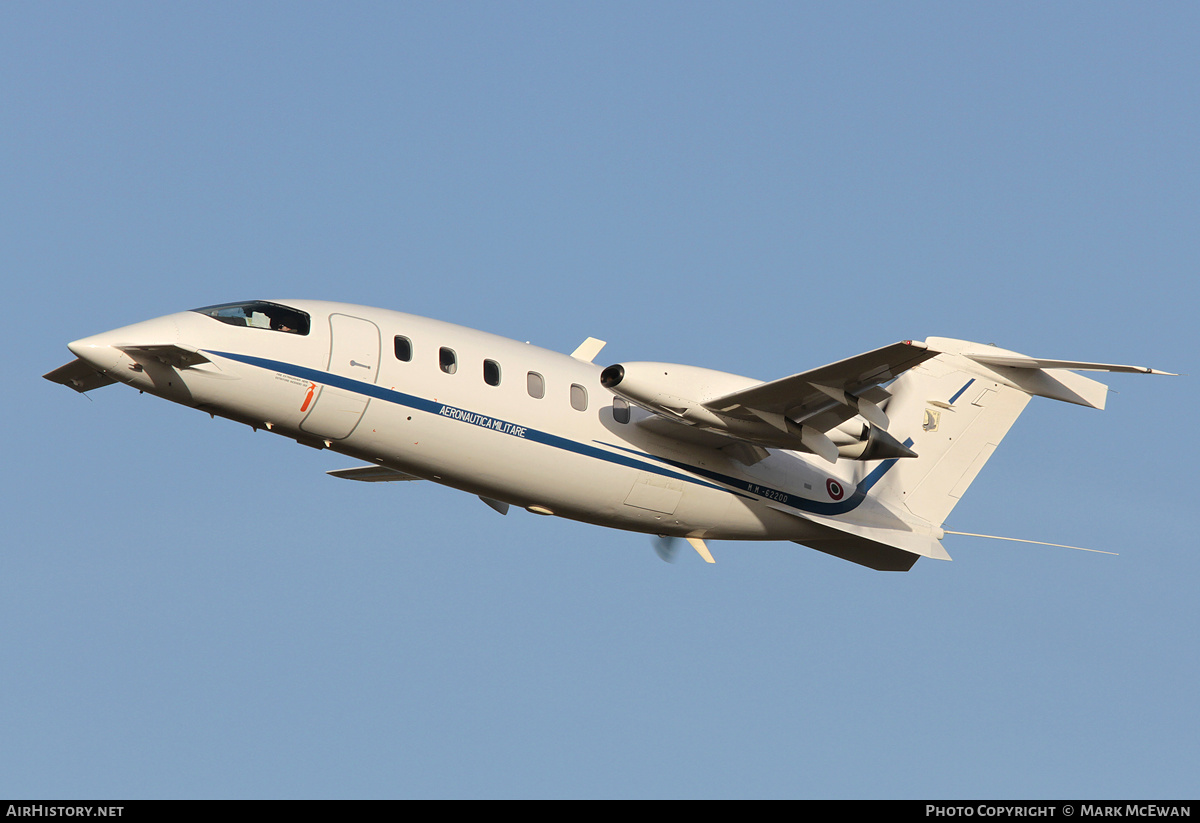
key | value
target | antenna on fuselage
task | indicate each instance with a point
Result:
(1021, 540)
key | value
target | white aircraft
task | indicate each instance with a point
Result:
(862, 459)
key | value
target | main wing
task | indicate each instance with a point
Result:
(794, 412)
(826, 397)
(810, 404)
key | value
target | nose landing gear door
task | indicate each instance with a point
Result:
(353, 353)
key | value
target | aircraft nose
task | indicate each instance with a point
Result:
(103, 350)
(99, 350)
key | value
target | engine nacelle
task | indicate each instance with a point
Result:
(680, 392)
(857, 439)
(670, 388)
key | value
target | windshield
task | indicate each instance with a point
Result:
(259, 314)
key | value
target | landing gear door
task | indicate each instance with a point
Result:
(354, 354)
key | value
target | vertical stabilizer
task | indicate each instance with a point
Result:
(956, 408)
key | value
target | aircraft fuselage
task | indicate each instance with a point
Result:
(495, 417)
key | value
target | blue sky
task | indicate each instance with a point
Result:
(191, 609)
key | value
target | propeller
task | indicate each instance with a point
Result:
(667, 546)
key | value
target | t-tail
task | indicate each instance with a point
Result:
(954, 410)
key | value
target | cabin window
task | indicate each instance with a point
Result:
(491, 372)
(578, 397)
(404, 349)
(536, 385)
(259, 314)
(448, 360)
(620, 410)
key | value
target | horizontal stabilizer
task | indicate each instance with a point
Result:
(1076, 365)
(1040, 377)
(372, 474)
(80, 376)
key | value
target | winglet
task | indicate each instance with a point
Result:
(588, 349)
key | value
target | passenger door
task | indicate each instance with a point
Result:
(353, 354)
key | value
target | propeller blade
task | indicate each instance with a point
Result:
(666, 547)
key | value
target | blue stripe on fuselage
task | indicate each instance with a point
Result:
(454, 413)
(796, 502)
(738, 485)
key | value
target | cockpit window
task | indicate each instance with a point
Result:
(259, 314)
